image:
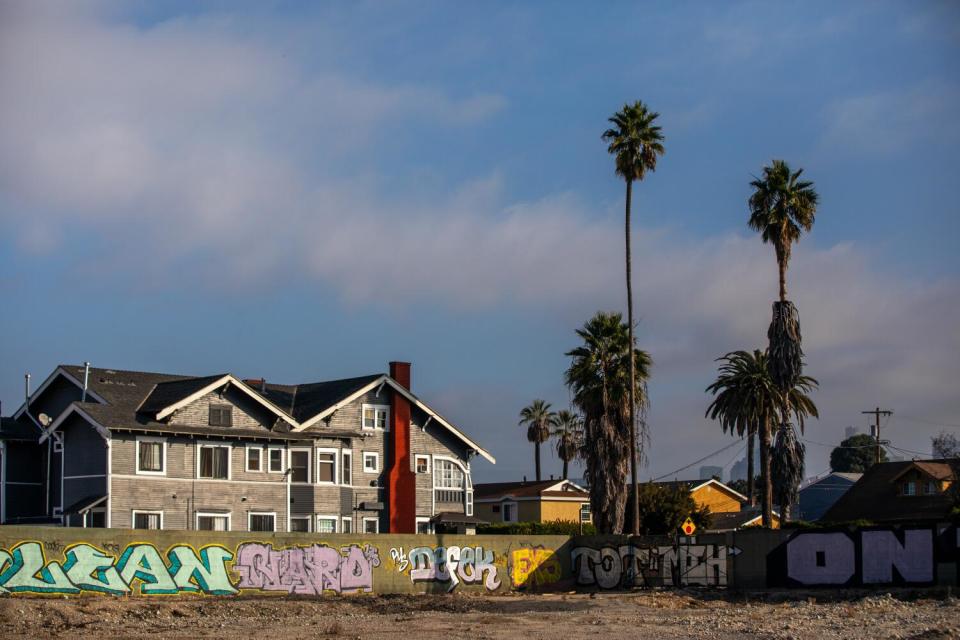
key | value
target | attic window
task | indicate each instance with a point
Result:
(221, 415)
(908, 488)
(929, 488)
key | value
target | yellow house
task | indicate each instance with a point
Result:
(544, 501)
(730, 508)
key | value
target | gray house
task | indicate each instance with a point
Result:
(817, 497)
(130, 449)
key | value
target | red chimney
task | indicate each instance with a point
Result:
(401, 481)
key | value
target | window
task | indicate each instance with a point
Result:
(95, 518)
(300, 464)
(371, 525)
(148, 519)
(300, 524)
(346, 467)
(375, 416)
(213, 521)
(346, 525)
(821, 558)
(262, 521)
(930, 488)
(57, 442)
(469, 507)
(221, 415)
(448, 480)
(275, 462)
(422, 464)
(423, 525)
(327, 466)
(371, 462)
(909, 488)
(326, 524)
(214, 461)
(254, 459)
(151, 456)
(509, 511)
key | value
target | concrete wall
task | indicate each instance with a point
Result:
(52, 560)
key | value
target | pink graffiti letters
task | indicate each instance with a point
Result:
(307, 570)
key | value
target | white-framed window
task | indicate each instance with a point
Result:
(146, 519)
(300, 524)
(930, 488)
(262, 521)
(220, 415)
(421, 463)
(300, 465)
(151, 456)
(375, 417)
(254, 458)
(508, 511)
(326, 524)
(449, 481)
(371, 525)
(346, 524)
(58, 442)
(371, 462)
(469, 505)
(327, 466)
(910, 488)
(213, 521)
(213, 461)
(346, 467)
(423, 525)
(275, 460)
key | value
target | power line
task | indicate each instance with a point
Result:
(696, 462)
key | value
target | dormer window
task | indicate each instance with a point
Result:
(908, 488)
(930, 488)
(221, 415)
(375, 417)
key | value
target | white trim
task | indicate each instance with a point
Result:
(92, 475)
(422, 519)
(282, 459)
(27, 484)
(336, 465)
(74, 408)
(163, 413)
(58, 442)
(246, 458)
(292, 518)
(151, 440)
(336, 523)
(3, 482)
(210, 514)
(739, 495)
(377, 408)
(417, 458)
(514, 507)
(376, 521)
(345, 467)
(109, 482)
(199, 445)
(497, 499)
(348, 520)
(376, 458)
(135, 512)
(399, 388)
(46, 383)
(310, 463)
(272, 514)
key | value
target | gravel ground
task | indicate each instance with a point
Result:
(567, 616)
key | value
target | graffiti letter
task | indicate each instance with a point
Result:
(29, 572)
(143, 561)
(821, 558)
(206, 574)
(882, 551)
(92, 570)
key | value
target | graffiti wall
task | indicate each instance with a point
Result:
(58, 561)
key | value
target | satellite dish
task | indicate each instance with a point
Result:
(44, 419)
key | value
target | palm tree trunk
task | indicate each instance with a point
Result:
(565, 464)
(751, 497)
(767, 507)
(536, 455)
(634, 495)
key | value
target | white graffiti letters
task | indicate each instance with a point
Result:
(470, 565)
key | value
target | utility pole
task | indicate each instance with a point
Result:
(876, 414)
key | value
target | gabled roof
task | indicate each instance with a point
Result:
(693, 485)
(304, 401)
(875, 497)
(64, 372)
(930, 468)
(11, 429)
(733, 520)
(543, 489)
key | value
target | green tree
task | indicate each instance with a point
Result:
(538, 419)
(856, 454)
(663, 508)
(746, 398)
(599, 380)
(636, 143)
(568, 430)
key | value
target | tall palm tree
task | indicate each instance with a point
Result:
(538, 418)
(782, 207)
(745, 398)
(787, 468)
(599, 379)
(568, 430)
(636, 143)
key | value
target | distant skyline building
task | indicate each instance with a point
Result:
(739, 469)
(709, 471)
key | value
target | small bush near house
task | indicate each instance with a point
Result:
(554, 528)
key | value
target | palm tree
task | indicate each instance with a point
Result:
(568, 430)
(537, 417)
(746, 398)
(786, 468)
(599, 379)
(781, 208)
(636, 142)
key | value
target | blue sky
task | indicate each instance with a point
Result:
(306, 192)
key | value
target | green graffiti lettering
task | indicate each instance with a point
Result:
(90, 569)
(29, 572)
(143, 562)
(205, 574)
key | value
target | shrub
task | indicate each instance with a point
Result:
(554, 528)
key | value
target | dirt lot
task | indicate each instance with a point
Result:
(423, 617)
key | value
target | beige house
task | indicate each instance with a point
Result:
(545, 501)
